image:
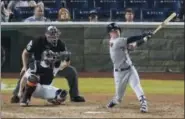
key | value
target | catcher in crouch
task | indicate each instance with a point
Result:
(50, 56)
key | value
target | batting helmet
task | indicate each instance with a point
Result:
(113, 27)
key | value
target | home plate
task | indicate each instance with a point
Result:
(94, 112)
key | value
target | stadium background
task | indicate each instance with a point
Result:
(89, 45)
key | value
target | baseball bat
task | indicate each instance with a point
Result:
(164, 22)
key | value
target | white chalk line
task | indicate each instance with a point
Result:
(5, 87)
(95, 112)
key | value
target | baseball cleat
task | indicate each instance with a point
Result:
(144, 109)
(63, 94)
(60, 97)
(143, 105)
(24, 103)
(111, 104)
(54, 101)
(15, 99)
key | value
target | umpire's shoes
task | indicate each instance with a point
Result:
(15, 99)
(111, 104)
(78, 99)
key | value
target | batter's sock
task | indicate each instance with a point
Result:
(142, 98)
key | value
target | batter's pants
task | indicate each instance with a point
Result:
(122, 78)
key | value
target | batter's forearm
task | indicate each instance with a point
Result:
(25, 58)
(134, 38)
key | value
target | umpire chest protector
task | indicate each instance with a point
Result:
(45, 53)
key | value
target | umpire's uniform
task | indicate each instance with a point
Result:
(36, 48)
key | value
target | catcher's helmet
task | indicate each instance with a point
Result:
(112, 27)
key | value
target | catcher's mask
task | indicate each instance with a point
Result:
(113, 27)
(52, 35)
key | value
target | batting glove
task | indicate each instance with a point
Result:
(147, 36)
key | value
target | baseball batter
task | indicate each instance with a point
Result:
(124, 71)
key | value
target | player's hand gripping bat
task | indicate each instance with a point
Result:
(164, 23)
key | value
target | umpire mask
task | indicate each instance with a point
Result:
(52, 35)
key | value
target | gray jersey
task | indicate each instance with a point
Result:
(119, 53)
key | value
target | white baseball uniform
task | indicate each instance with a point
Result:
(124, 71)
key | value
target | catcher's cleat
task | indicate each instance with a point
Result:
(78, 99)
(143, 105)
(24, 103)
(15, 99)
(60, 97)
(111, 104)
(54, 101)
(25, 99)
(63, 95)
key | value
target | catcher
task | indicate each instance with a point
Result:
(50, 56)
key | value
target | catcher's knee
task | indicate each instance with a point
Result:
(32, 80)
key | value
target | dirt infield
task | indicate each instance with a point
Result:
(148, 75)
(160, 106)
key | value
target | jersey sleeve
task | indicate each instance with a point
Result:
(32, 46)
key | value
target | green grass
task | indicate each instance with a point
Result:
(106, 85)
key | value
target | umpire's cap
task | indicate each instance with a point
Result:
(112, 27)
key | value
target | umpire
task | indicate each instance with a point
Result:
(69, 72)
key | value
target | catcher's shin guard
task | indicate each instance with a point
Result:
(28, 90)
(59, 98)
(26, 97)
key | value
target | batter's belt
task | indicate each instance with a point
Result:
(122, 69)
